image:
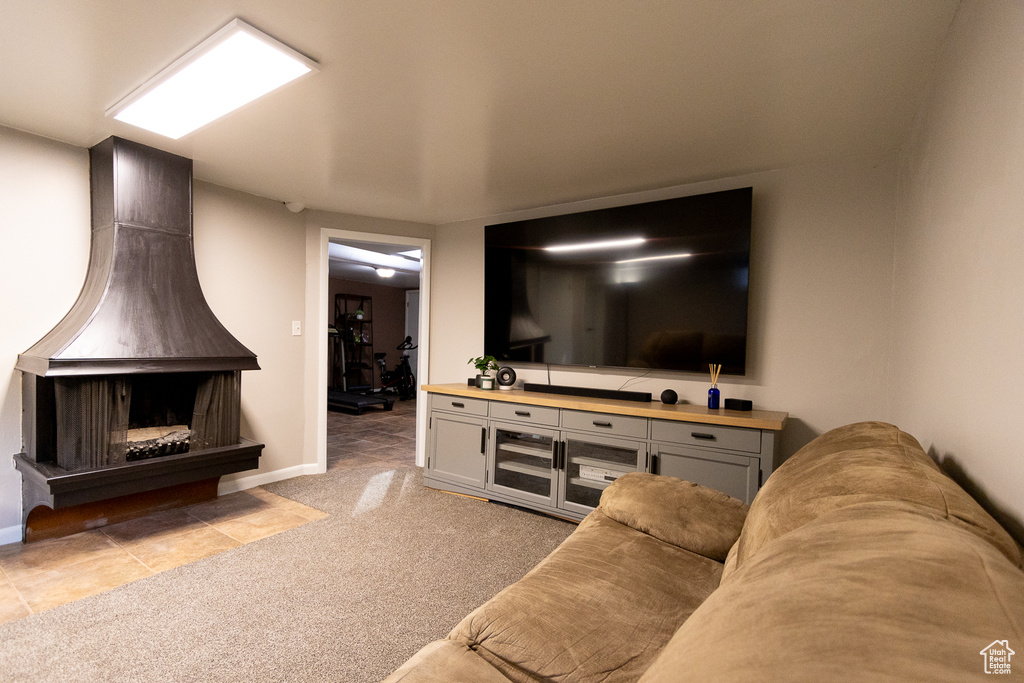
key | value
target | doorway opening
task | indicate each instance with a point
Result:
(373, 309)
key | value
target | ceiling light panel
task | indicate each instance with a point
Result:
(233, 67)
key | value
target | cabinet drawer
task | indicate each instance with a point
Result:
(525, 413)
(602, 423)
(458, 404)
(715, 436)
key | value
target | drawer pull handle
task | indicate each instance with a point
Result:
(602, 424)
(523, 413)
(456, 404)
(699, 435)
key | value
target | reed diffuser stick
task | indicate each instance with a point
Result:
(715, 370)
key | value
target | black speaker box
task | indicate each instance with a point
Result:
(738, 404)
(506, 377)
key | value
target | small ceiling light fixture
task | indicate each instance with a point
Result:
(590, 246)
(385, 272)
(233, 67)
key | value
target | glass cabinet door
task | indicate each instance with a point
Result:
(592, 463)
(523, 463)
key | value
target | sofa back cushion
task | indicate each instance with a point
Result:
(685, 514)
(873, 591)
(859, 463)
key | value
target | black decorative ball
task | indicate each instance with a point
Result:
(668, 396)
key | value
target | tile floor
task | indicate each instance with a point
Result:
(377, 437)
(38, 576)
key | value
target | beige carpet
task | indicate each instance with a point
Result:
(345, 598)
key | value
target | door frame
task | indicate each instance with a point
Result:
(317, 303)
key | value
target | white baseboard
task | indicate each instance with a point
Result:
(261, 478)
(11, 534)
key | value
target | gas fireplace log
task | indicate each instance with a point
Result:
(151, 442)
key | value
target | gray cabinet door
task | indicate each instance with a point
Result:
(457, 449)
(522, 462)
(733, 474)
(590, 463)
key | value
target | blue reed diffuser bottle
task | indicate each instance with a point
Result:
(714, 395)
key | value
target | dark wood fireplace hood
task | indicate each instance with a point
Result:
(141, 309)
(139, 351)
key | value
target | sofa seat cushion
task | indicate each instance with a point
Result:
(858, 463)
(874, 591)
(599, 608)
(691, 516)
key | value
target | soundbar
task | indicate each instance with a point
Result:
(638, 396)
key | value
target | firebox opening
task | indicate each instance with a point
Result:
(108, 420)
(160, 414)
(163, 400)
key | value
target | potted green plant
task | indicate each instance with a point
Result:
(484, 365)
(359, 314)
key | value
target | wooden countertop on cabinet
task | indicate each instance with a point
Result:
(682, 412)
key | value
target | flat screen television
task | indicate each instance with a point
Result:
(660, 285)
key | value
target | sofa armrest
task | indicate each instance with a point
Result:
(702, 520)
(446, 661)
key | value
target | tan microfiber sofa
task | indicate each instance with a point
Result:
(858, 560)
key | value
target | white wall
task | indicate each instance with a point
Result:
(959, 322)
(44, 252)
(820, 300)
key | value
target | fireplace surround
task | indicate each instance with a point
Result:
(138, 388)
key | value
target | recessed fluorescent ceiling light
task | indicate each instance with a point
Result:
(589, 246)
(231, 68)
(655, 258)
(414, 255)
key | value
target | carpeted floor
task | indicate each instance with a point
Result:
(345, 598)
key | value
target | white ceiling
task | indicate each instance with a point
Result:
(440, 110)
(358, 261)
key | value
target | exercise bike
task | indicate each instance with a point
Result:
(401, 379)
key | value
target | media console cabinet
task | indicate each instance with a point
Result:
(556, 454)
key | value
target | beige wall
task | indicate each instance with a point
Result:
(959, 355)
(820, 301)
(250, 254)
(44, 251)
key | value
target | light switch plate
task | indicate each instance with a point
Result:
(296, 328)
